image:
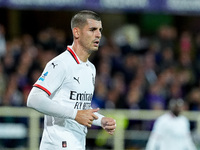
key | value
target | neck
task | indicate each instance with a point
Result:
(82, 54)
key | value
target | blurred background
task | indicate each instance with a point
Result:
(149, 54)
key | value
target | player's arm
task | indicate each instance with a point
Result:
(109, 124)
(40, 101)
(155, 137)
(39, 97)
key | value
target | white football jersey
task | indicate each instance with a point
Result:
(171, 133)
(70, 82)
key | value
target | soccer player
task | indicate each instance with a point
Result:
(171, 131)
(64, 90)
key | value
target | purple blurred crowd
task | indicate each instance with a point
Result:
(160, 67)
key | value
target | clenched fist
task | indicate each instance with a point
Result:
(108, 124)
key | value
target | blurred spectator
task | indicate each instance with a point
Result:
(186, 42)
(112, 98)
(132, 73)
(167, 59)
(155, 99)
(116, 92)
(133, 98)
(130, 64)
(126, 78)
(2, 41)
(194, 99)
(150, 68)
(3, 83)
(167, 36)
(13, 96)
(99, 98)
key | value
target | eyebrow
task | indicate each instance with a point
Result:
(92, 28)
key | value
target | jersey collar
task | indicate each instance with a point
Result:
(75, 56)
(71, 51)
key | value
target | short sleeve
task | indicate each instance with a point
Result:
(52, 77)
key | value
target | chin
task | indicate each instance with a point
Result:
(95, 49)
(92, 50)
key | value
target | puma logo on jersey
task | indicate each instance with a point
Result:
(77, 79)
(54, 65)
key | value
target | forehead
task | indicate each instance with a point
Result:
(94, 23)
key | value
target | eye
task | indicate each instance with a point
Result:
(101, 29)
(92, 29)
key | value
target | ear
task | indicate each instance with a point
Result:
(76, 32)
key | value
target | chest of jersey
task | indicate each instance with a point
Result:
(78, 87)
(81, 79)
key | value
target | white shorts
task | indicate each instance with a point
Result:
(58, 138)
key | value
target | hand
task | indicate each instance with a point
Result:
(108, 124)
(86, 117)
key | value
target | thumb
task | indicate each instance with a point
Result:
(95, 117)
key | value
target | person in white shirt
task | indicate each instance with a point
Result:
(171, 131)
(64, 90)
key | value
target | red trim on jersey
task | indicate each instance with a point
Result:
(73, 54)
(42, 88)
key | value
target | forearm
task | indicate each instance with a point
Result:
(41, 102)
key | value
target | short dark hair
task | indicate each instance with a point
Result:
(80, 19)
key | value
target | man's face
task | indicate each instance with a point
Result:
(177, 107)
(176, 110)
(90, 35)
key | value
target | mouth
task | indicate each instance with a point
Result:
(96, 43)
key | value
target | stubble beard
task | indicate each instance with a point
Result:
(90, 51)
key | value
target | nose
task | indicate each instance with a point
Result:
(98, 34)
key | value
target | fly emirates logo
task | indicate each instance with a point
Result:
(83, 100)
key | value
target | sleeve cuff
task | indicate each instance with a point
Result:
(98, 121)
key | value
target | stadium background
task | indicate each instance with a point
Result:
(149, 54)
